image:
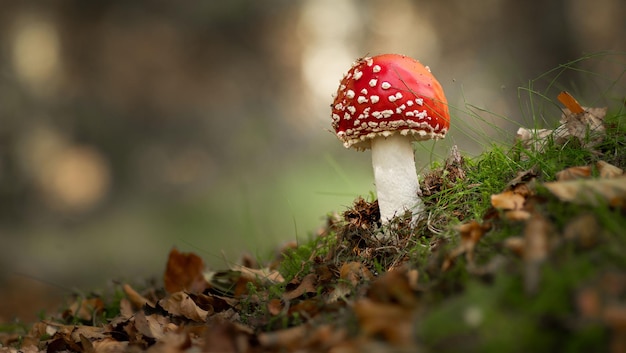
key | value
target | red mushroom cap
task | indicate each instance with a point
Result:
(386, 94)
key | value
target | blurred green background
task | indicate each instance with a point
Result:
(130, 127)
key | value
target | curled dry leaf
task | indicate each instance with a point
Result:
(591, 191)
(136, 300)
(573, 173)
(584, 231)
(307, 285)
(536, 249)
(153, 326)
(184, 272)
(391, 322)
(470, 234)
(396, 287)
(508, 200)
(354, 272)
(181, 304)
(608, 170)
(85, 309)
(584, 124)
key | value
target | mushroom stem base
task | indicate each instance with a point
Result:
(395, 175)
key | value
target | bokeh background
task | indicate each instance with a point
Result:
(130, 127)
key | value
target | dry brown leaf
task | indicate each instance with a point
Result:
(390, 322)
(136, 299)
(184, 272)
(264, 276)
(181, 304)
(608, 170)
(590, 191)
(153, 326)
(583, 230)
(536, 249)
(275, 306)
(395, 287)
(533, 139)
(355, 272)
(587, 127)
(584, 124)
(285, 339)
(85, 309)
(307, 285)
(573, 173)
(508, 200)
(470, 234)
(515, 244)
(225, 336)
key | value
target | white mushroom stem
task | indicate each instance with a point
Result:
(395, 175)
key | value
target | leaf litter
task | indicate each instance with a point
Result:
(350, 292)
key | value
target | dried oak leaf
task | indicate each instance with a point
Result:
(470, 234)
(84, 309)
(608, 170)
(591, 191)
(584, 124)
(181, 304)
(184, 272)
(307, 285)
(537, 245)
(573, 173)
(391, 322)
(396, 287)
(136, 300)
(154, 325)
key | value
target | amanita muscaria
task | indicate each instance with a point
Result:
(384, 103)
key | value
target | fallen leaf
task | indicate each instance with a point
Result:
(508, 200)
(573, 173)
(307, 285)
(584, 124)
(583, 230)
(391, 322)
(184, 272)
(181, 304)
(470, 234)
(587, 127)
(590, 191)
(136, 300)
(84, 309)
(608, 170)
(395, 287)
(355, 272)
(536, 249)
(153, 326)
(570, 102)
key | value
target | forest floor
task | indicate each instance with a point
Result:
(522, 250)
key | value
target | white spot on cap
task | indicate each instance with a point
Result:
(350, 94)
(338, 106)
(385, 85)
(387, 113)
(361, 99)
(376, 68)
(419, 101)
(351, 109)
(395, 97)
(427, 68)
(357, 74)
(364, 91)
(409, 103)
(369, 61)
(373, 82)
(346, 116)
(374, 99)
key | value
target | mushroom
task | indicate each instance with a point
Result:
(384, 103)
